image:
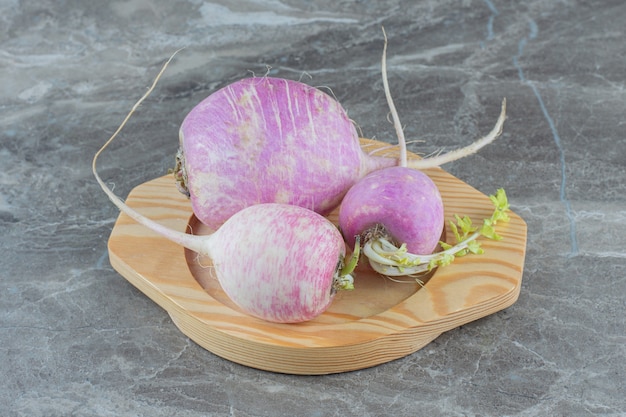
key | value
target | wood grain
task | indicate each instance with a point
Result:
(377, 322)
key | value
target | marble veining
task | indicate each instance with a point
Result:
(532, 34)
(78, 340)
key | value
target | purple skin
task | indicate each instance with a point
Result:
(269, 140)
(404, 201)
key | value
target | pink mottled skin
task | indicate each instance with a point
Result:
(277, 262)
(270, 140)
(406, 202)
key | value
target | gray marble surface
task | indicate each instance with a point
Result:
(78, 340)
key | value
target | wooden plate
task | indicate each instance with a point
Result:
(378, 322)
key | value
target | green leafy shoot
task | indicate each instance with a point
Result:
(390, 260)
(343, 279)
(354, 259)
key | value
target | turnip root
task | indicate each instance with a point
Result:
(281, 263)
(267, 139)
(399, 204)
(399, 213)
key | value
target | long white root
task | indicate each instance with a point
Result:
(195, 243)
(435, 161)
(392, 107)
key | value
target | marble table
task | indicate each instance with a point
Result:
(78, 340)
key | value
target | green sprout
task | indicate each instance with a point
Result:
(343, 278)
(390, 260)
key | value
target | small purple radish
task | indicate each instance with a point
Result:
(399, 204)
(278, 262)
(397, 212)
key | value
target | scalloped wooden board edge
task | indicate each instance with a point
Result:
(471, 288)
